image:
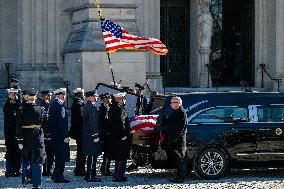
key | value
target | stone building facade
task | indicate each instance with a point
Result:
(52, 41)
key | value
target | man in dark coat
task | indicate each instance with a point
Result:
(120, 135)
(58, 121)
(176, 130)
(13, 153)
(91, 136)
(31, 132)
(44, 102)
(76, 130)
(105, 130)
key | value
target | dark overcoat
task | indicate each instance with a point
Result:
(176, 130)
(10, 110)
(91, 144)
(104, 126)
(119, 149)
(76, 119)
(58, 122)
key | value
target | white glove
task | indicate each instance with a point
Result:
(124, 138)
(96, 140)
(20, 146)
(66, 140)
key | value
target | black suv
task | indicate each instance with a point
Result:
(230, 130)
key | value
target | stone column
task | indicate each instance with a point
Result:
(84, 51)
(152, 29)
(204, 28)
(279, 72)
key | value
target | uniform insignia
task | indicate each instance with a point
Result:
(63, 112)
(278, 131)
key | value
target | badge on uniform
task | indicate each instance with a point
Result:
(63, 112)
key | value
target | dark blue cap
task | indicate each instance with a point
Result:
(91, 93)
(15, 80)
(140, 87)
(30, 92)
(46, 92)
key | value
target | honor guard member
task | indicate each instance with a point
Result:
(30, 130)
(76, 130)
(13, 153)
(120, 137)
(176, 129)
(44, 102)
(14, 83)
(58, 121)
(142, 101)
(106, 99)
(91, 136)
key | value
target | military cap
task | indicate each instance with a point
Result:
(45, 92)
(140, 87)
(105, 95)
(118, 95)
(15, 80)
(30, 92)
(60, 91)
(78, 90)
(91, 93)
(12, 90)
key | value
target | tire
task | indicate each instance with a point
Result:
(210, 163)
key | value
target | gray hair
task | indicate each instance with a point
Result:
(177, 98)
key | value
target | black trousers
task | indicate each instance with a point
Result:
(105, 164)
(80, 159)
(58, 170)
(47, 166)
(178, 156)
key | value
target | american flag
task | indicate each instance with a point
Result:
(116, 37)
(145, 123)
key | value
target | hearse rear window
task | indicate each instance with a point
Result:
(270, 114)
(223, 115)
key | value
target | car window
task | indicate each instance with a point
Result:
(222, 115)
(270, 114)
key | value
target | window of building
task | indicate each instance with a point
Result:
(223, 115)
(270, 114)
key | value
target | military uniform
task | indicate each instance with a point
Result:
(76, 132)
(58, 121)
(121, 142)
(13, 153)
(105, 138)
(176, 131)
(47, 166)
(91, 143)
(30, 130)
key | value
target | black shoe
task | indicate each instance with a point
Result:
(132, 167)
(108, 173)
(26, 180)
(47, 174)
(177, 180)
(123, 179)
(61, 181)
(79, 173)
(94, 179)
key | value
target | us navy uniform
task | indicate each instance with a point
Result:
(47, 166)
(58, 120)
(76, 130)
(13, 153)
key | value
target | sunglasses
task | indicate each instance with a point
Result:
(174, 102)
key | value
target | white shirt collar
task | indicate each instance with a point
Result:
(60, 101)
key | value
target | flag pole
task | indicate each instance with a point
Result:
(109, 61)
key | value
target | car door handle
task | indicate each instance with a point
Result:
(264, 129)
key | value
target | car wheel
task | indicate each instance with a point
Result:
(210, 164)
